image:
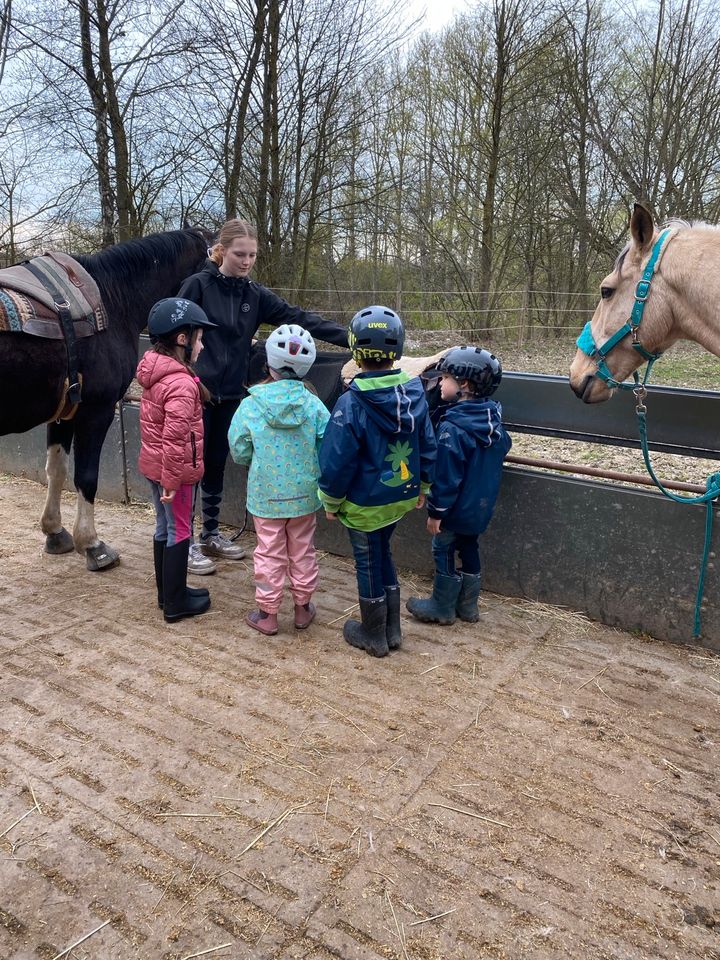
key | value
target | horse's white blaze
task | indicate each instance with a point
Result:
(56, 470)
(84, 533)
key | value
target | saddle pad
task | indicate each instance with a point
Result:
(21, 314)
(69, 277)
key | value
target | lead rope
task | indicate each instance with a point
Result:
(712, 492)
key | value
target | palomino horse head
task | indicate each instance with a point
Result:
(600, 365)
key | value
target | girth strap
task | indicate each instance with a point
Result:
(63, 310)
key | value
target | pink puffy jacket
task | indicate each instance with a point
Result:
(171, 424)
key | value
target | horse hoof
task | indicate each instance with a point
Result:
(101, 557)
(60, 542)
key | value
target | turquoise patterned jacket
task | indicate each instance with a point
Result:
(276, 431)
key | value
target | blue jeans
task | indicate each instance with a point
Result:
(374, 565)
(444, 546)
(173, 521)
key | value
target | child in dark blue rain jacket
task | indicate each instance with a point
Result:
(472, 444)
(376, 463)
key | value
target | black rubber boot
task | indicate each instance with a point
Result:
(393, 632)
(158, 554)
(467, 601)
(370, 634)
(440, 607)
(178, 602)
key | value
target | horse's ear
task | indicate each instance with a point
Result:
(642, 226)
(186, 224)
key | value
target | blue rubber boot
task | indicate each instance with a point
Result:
(467, 601)
(440, 607)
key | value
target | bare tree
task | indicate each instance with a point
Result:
(104, 58)
(5, 22)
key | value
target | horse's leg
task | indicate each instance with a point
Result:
(91, 427)
(59, 439)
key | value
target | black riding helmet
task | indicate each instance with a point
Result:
(480, 367)
(174, 315)
(376, 333)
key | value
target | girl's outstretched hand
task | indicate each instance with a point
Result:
(433, 525)
(330, 516)
(167, 495)
(420, 501)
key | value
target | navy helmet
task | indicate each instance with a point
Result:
(480, 367)
(376, 333)
(175, 314)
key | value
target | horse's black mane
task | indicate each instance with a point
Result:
(122, 261)
(119, 269)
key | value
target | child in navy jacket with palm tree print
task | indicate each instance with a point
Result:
(376, 463)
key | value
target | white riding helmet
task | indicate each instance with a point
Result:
(290, 348)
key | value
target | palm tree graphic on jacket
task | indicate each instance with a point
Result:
(398, 455)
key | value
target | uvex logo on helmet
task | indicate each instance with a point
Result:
(376, 333)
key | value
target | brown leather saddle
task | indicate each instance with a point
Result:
(54, 297)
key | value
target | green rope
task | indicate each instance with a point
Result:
(712, 492)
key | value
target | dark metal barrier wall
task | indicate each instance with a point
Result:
(626, 557)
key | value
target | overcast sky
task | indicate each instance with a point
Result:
(437, 13)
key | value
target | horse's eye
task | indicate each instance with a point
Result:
(606, 292)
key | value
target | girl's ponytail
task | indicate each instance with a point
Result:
(215, 254)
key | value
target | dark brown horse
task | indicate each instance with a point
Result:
(131, 277)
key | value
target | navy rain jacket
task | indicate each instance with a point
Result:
(238, 306)
(472, 444)
(378, 451)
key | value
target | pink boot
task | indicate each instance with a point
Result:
(304, 615)
(264, 622)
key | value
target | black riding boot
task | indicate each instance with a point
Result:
(178, 601)
(370, 634)
(393, 631)
(158, 554)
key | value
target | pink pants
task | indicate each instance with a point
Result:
(284, 547)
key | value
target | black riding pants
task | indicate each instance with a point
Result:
(216, 419)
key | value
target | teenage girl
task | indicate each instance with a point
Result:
(237, 306)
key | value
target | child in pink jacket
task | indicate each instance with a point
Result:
(171, 449)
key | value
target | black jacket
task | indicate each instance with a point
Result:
(238, 306)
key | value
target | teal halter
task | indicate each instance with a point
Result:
(586, 341)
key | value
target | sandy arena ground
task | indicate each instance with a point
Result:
(532, 786)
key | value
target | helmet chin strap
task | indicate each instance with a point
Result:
(187, 346)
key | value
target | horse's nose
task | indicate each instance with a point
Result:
(583, 390)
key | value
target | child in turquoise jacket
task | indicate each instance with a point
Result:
(276, 431)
